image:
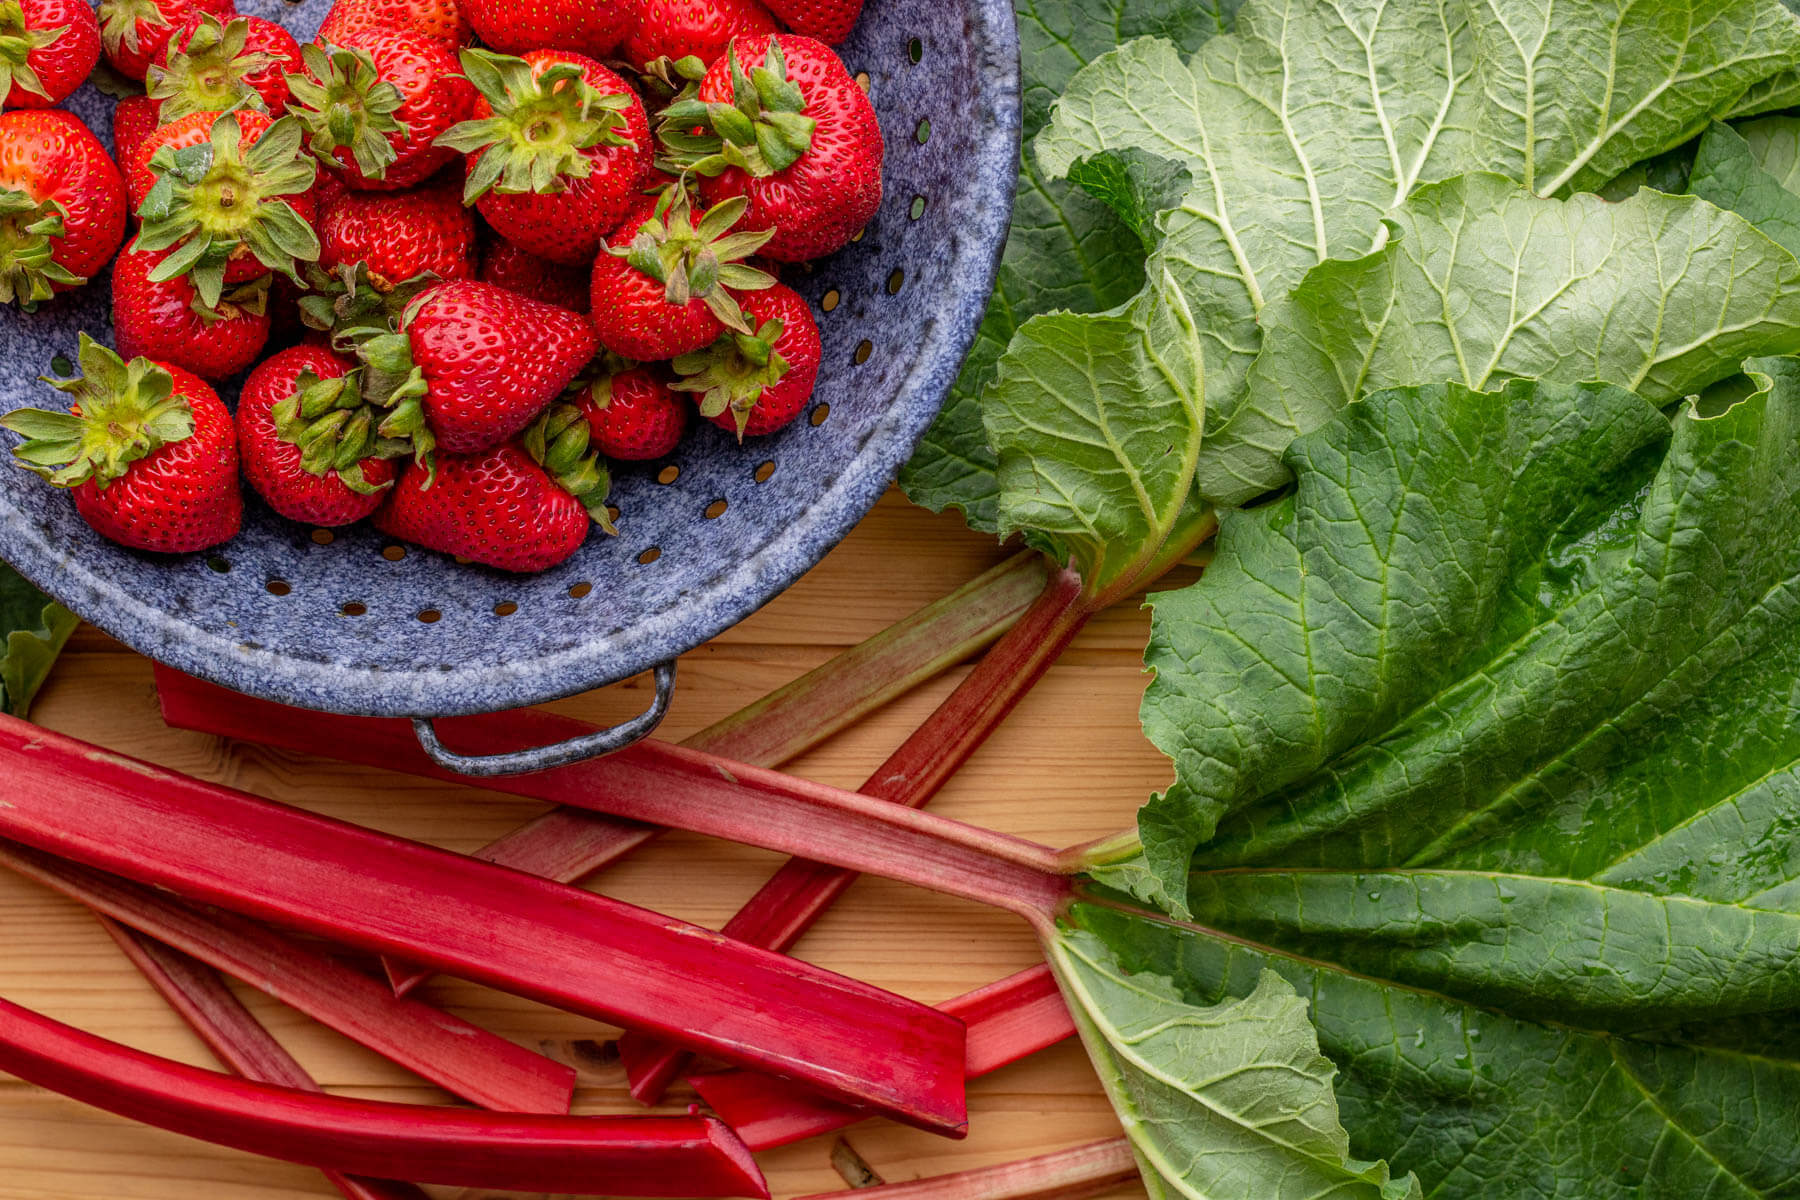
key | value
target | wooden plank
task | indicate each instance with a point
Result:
(1070, 764)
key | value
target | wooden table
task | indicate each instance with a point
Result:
(1070, 764)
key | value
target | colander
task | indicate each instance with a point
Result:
(348, 621)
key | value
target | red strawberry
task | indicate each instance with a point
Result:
(828, 20)
(809, 160)
(516, 270)
(756, 384)
(555, 152)
(134, 119)
(47, 48)
(633, 415)
(166, 321)
(591, 27)
(489, 361)
(147, 449)
(701, 28)
(62, 205)
(521, 506)
(374, 105)
(400, 235)
(666, 286)
(134, 33)
(230, 194)
(440, 20)
(308, 440)
(215, 66)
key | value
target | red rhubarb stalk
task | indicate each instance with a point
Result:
(546, 941)
(623, 1156)
(1064, 1175)
(802, 890)
(1007, 1020)
(449, 1051)
(199, 995)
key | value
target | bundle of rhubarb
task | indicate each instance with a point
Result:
(460, 276)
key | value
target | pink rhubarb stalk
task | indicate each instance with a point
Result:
(1007, 1020)
(199, 995)
(1064, 1175)
(802, 890)
(546, 941)
(623, 1156)
(449, 1051)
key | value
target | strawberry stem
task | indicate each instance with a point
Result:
(29, 271)
(210, 73)
(343, 103)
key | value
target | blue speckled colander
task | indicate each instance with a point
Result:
(353, 624)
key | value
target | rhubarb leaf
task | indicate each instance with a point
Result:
(1481, 283)
(35, 628)
(1727, 174)
(1066, 252)
(1226, 1100)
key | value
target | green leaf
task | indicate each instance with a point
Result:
(1226, 1100)
(35, 628)
(1727, 174)
(1066, 251)
(1480, 283)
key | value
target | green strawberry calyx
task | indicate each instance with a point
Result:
(18, 41)
(764, 130)
(216, 200)
(344, 103)
(699, 260)
(350, 296)
(120, 19)
(558, 441)
(211, 72)
(119, 412)
(597, 382)
(542, 125)
(394, 385)
(733, 372)
(29, 271)
(335, 428)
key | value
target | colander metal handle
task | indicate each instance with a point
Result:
(558, 754)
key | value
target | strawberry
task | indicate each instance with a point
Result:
(795, 135)
(134, 33)
(521, 506)
(757, 383)
(555, 152)
(440, 20)
(62, 205)
(374, 105)
(701, 29)
(666, 285)
(216, 66)
(590, 27)
(47, 48)
(633, 414)
(521, 271)
(230, 194)
(134, 119)
(400, 235)
(828, 20)
(146, 449)
(488, 360)
(165, 319)
(308, 439)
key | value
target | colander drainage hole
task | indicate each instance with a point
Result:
(219, 564)
(918, 207)
(896, 281)
(923, 132)
(580, 590)
(915, 50)
(393, 553)
(763, 472)
(864, 348)
(819, 414)
(715, 510)
(353, 609)
(862, 81)
(323, 537)
(829, 301)
(651, 555)
(505, 608)
(430, 616)
(278, 587)
(60, 365)
(668, 474)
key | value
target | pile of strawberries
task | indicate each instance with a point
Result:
(492, 266)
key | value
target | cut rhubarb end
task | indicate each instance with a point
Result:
(802, 891)
(447, 1050)
(546, 941)
(1007, 1021)
(1063, 1175)
(199, 995)
(625, 1156)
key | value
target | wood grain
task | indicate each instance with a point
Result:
(1070, 764)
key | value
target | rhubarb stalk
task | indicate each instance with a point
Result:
(546, 941)
(449, 1051)
(199, 995)
(1064, 1175)
(624, 1156)
(1007, 1020)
